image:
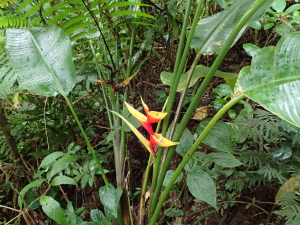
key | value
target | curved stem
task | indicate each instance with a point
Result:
(191, 152)
(202, 88)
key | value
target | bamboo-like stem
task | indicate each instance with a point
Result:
(202, 88)
(191, 152)
(180, 61)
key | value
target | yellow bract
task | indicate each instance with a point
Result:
(159, 140)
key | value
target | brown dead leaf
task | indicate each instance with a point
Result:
(293, 184)
(200, 113)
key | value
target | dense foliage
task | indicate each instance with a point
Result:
(209, 88)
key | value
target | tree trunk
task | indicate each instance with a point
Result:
(10, 140)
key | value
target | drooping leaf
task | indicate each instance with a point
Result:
(168, 176)
(7, 75)
(110, 198)
(200, 72)
(33, 184)
(61, 164)
(225, 159)
(211, 32)
(52, 209)
(62, 180)
(202, 186)
(219, 137)
(273, 80)
(293, 184)
(50, 159)
(42, 59)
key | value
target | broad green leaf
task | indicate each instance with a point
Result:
(97, 215)
(211, 32)
(221, 3)
(7, 75)
(186, 140)
(33, 184)
(52, 209)
(50, 159)
(200, 72)
(273, 78)
(293, 184)
(62, 180)
(168, 176)
(250, 48)
(202, 186)
(110, 198)
(61, 164)
(219, 137)
(279, 5)
(225, 159)
(282, 152)
(42, 59)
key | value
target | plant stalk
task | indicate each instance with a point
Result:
(189, 154)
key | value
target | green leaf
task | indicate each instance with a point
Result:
(221, 3)
(97, 215)
(273, 78)
(211, 32)
(62, 180)
(33, 184)
(218, 137)
(61, 164)
(52, 209)
(279, 5)
(110, 198)
(225, 159)
(50, 159)
(84, 180)
(186, 140)
(168, 176)
(200, 72)
(202, 186)
(282, 152)
(171, 212)
(250, 48)
(42, 59)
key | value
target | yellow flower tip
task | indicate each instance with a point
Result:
(159, 140)
(154, 117)
(139, 116)
(145, 106)
(99, 81)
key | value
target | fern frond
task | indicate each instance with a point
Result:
(253, 158)
(12, 21)
(291, 208)
(269, 173)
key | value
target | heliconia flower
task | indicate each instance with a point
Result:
(142, 139)
(146, 121)
(141, 118)
(153, 116)
(159, 140)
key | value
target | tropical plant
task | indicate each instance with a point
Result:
(38, 60)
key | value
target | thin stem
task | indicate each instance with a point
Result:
(191, 152)
(201, 90)
(87, 142)
(97, 24)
